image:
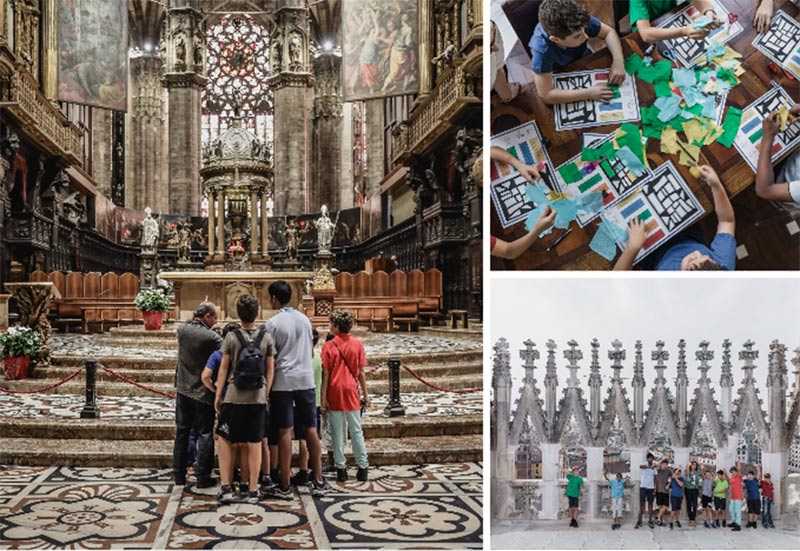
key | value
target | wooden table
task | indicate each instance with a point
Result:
(734, 172)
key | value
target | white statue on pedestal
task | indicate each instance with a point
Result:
(325, 230)
(149, 231)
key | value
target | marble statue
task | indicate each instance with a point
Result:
(290, 235)
(295, 43)
(184, 242)
(180, 51)
(325, 230)
(149, 231)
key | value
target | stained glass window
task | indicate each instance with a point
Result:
(237, 66)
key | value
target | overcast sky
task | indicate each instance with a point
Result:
(649, 309)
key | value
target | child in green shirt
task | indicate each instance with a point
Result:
(574, 493)
(644, 11)
(720, 496)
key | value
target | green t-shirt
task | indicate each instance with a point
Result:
(720, 488)
(316, 365)
(574, 484)
(649, 9)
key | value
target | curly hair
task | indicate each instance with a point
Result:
(247, 308)
(561, 18)
(342, 320)
(707, 266)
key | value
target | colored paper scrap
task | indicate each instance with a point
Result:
(669, 141)
(631, 161)
(709, 107)
(590, 154)
(629, 135)
(683, 77)
(669, 108)
(658, 71)
(570, 173)
(590, 203)
(615, 88)
(714, 49)
(783, 111)
(566, 212)
(663, 88)
(633, 63)
(702, 22)
(730, 126)
(606, 237)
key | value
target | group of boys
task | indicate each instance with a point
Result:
(265, 385)
(560, 38)
(720, 495)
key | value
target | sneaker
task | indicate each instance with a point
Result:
(226, 495)
(179, 480)
(300, 479)
(576, 524)
(737, 528)
(206, 482)
(638, 524)
(362, 474)
(285, 494)
(341, 475)
(572, 523)
(254, 497)
(678, 523)
(319, 488)
(705, 523)
(670, 526)
(650, 523)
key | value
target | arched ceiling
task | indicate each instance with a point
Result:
(326, 17)
(144, 22)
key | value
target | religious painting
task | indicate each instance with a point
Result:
(93, 53)
(348, 228)
(380, 48)
(128, 226)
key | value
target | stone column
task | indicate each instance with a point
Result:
(101, 150)
(49, 49)
(595, 384)
(638, 387)
(145, 184)
(551, 384)
(264, 225)
(426, 26)
(638, 457)
(211, 230)
(185, 82)
(777, 383)
(777, 465)
(376, 121)
(291, 66)
(594, 481)
(550, 478)
(682, 457)
(254, 241)
(726, 382)
(501, 383)
(682, 386)
(347, 184)
(327, 136)
(220, 221)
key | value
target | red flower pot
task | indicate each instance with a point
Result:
(16, 367)
(153, 320)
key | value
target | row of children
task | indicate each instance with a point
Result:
(719, 495)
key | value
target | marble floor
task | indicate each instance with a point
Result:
(598, 535)
(433, 506)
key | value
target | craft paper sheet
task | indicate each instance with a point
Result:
(517, 60)
(687, 50)
(748, 139)
(583, 114)
(781, 43)
(609, 176)
(508, 187)
(664, 203)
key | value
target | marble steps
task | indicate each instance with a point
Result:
(158, 453)
(120, 388)
(471, 334)
(167, 374)
(112, 428)
(414, 361)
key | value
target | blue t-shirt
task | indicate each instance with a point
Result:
(752, 488)
(677, 489)
(546, 56)
(213, 363)
(722, 251)
(617, 488)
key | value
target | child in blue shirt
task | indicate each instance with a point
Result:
(617, 496)
(559, 39)
(676, 497)
(752, 484)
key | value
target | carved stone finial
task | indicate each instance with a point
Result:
(659, 355)
(551, 379)
(749, 356)
(777, 366)
(796, 364)
(638, 367)
(501, 367)
(573, 356)
(595, 380)
(616, 355)
(726, 380)
(704, 355)
(529, 355)
(681, 366)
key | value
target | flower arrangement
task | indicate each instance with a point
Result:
(151, 300)
(20, 341)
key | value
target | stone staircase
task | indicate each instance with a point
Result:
(438, 427)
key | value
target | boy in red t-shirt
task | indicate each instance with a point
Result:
(343, 358)
(767, 496)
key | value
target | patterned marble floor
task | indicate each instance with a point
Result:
(436, 506)
(153, 407)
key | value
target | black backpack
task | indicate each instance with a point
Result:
(249, 372)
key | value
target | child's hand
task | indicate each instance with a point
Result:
(637, 235)
(795, 110)
(530, 173)
(771, 125)
(617, 73)
(367, 403)
(324, 406)
(763, 17)
(545, 220)
(709, 176)
(696, 34)
(601, 92)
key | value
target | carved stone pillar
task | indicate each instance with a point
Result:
(220, 222)
(49, 49)
(145, 185)
(211, 230)
(101, 150)
(346, 179)
(426, 26)
(594, 480)
(291, 66)
(264, 225)
(254, 241)
(185, 82)
(501, 383)
(551, 452)
(327, 136)
(375, 146)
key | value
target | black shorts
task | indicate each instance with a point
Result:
(705, 501)
(573, 501)
(646, 494)
(300, 431)
(676, 502)
(662, 499)
(240, 423)
(719, 503)
(293, 409)
(753, 506)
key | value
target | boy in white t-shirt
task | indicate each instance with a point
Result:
(783, 185)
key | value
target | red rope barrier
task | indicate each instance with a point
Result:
(134, 383)
(40, 390)
(372, 369)
(433, 386)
